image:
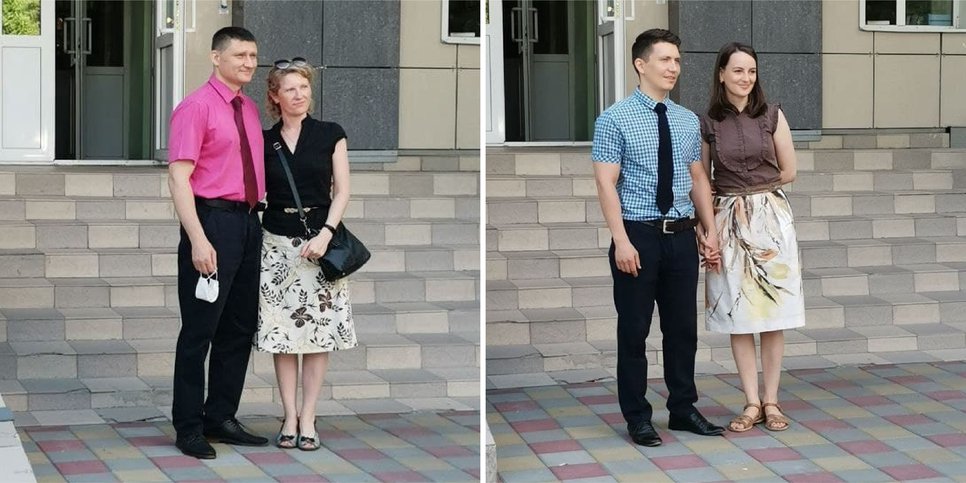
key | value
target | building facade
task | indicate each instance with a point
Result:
(834, 65)
(96, 80)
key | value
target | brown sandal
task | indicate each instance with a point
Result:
(775, 422)
(743, 422)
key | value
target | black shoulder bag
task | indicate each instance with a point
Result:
(346, 253)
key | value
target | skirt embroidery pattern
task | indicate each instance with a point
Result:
(759, 287)
(299, 311)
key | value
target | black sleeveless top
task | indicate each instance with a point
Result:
(311, 166)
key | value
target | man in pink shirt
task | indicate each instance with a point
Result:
(217, 176)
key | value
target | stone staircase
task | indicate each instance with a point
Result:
(88, 303)
(882, 234)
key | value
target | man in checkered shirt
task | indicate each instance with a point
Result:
(654, 252)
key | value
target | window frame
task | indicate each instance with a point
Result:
(959, 9)
(444, 28)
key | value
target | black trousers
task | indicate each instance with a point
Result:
(227, 326)
(669, 277)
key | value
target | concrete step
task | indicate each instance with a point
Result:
(138, 323)
(108, 182)
(155, 357)
(582, 185)
(153, 391)
(107, 210)
(845, 344)
(159, 262)
(589, 323)
(554, 236)
(366, 287)
(541, 161)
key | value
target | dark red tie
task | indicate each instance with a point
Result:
(248, 164)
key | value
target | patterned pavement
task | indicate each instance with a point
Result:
(378, 447)
(851, 423)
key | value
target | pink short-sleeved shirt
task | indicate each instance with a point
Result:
(203, 131)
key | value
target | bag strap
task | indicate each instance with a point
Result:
(291, 184)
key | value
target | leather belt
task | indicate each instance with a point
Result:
(672, 226)
(229, 205)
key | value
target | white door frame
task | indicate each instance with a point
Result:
(27, 93)
(168, 79)
(495, 102)
(611, 36)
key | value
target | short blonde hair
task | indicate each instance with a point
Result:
(274, 81)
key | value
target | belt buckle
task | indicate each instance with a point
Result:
(664, 229)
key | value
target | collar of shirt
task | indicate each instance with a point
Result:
(650, 102)
(223, 90)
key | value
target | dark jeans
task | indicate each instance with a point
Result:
(670, 277)
(228, 325)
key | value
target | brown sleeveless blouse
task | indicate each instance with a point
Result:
(743, 151)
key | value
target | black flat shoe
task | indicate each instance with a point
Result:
(695, 423)
(644, 434)
(195, 445)
(232, 432)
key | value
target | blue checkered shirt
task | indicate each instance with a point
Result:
(626, 133)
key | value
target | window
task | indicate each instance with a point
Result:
(912, 15)
(461, 21)
(21, 17)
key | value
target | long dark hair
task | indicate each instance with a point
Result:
(720, 104)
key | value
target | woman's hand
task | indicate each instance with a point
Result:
(317, 246)
(710, 251)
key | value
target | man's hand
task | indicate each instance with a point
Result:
(317, 246)
(203, 257)
(710, 252)
(627, 258)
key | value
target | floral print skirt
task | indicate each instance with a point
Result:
(299, 311)
(759, 286)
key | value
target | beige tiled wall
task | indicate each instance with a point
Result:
(198, 44)
(954, 44)
(439, 84)
(952, 103)
(847, 92)
(905, 42)
(906, 91)
(427, 109)
(889, 79)
(840, 31)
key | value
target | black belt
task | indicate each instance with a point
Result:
(229, 205)
(672, 226)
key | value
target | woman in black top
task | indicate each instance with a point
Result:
(299, 311)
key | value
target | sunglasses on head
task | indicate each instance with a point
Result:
(295, 62)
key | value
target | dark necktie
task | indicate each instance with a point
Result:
(665, 162)
(248, 164)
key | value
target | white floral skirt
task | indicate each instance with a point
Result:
(759, 286)
(299, 311)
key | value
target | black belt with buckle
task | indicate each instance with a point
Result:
(229, 205)
(672, 226)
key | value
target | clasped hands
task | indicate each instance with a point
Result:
(709, 250)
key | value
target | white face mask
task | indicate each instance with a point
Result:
(207, 288)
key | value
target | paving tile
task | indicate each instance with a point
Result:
(849, 423)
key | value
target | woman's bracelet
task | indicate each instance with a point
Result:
(329, 227)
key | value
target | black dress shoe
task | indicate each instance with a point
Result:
(644, 434)
(232, 432)
(695, 423)
(194, 444)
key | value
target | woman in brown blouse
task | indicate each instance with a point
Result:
(757, 288)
